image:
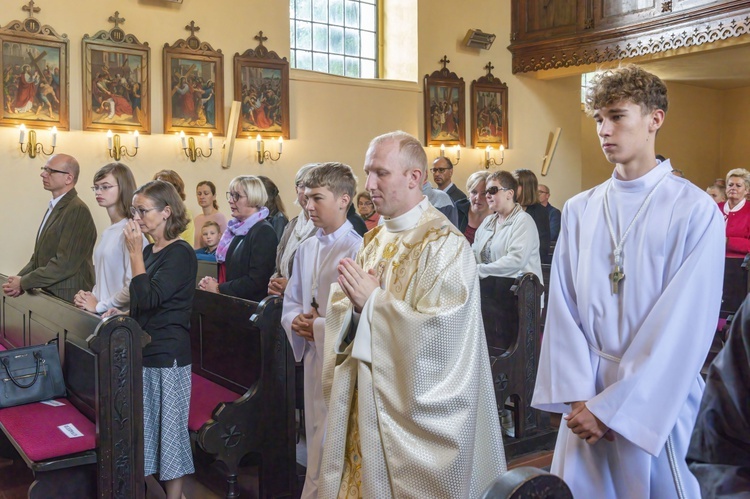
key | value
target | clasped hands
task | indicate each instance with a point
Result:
(209, 284)
(356, 284)
(12, 287)
(586, 426)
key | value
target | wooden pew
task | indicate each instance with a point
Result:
(242, 407)
(511, 313)
(102, 367)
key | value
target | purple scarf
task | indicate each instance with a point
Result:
(237, 228)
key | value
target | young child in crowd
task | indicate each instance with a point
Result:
(210, 236)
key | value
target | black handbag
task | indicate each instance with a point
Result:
(30, 374)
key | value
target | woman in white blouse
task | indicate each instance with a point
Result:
(113, 187)
(507, 243)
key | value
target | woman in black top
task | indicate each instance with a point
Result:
(529, 200)
(161, 300)
(247, 250)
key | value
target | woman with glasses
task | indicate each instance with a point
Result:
(528, 198)
(205, 191)
(366, 210)
(161, 300)
(296, 231)
(247, 250)
(506, 245)
(113, 188)
(473, 210)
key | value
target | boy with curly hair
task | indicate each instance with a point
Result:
(634, 298)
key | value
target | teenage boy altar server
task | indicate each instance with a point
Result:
(633, 303)
(329, 189)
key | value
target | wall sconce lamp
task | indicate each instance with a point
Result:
(458, 154)
(33, 147)
(116, 151)
(192, 152)
(489, 161)
(263, 154)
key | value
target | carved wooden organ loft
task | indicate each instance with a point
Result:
(551, 34)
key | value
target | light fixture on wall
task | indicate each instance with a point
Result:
(476, 38)
(193, 152)
(115, 150)
(263, 154)
(490, 161)
(458, 154)
(32, 147)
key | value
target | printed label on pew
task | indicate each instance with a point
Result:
(70, 431)
(52, 403)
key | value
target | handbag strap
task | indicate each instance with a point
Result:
(39, 360)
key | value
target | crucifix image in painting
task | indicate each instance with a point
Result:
(31, 81)
(261, 100)
(444, 113)
(118, 81)
(193, 93)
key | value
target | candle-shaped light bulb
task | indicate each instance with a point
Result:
(22, 134)
(442, 150)
(136, 135)
(280, 144)
(183, 140)
(502, 151)
(487, 153)
(54, 136)
(458, 152)
(258, 142)
(109, 139)
(210, 140)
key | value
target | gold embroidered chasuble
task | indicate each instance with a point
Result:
(425, 412)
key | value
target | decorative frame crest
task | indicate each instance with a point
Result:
(489, 110)
(444, 108)
(26, 95)
(261, 84)
(196, 105)
(116, 99)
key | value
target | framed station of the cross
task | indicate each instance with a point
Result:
(34, 62)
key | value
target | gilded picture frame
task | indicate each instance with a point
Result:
(193, 86)
(34, 61)
(444, 108)
(261, 85)
(116, 81)
(489, 111)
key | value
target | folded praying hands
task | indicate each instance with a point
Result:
(357, 284)
(586, 426)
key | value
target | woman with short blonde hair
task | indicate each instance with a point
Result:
(247, 251)
(736, 212)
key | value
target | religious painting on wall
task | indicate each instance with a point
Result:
(116, 81)
(193, 86)
(261, 85)
(489, 111)
(34, 61)
(444, 108)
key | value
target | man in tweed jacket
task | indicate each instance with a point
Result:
(62, 260)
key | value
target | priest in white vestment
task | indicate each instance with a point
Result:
(634, 299)
(411, 406)
(329, 189)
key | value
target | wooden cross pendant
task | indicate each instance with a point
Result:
(314, 304)
(616, 276)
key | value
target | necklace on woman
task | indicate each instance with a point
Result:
(618, 273)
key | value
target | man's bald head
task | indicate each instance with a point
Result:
(65, 162)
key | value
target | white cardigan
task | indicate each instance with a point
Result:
(514, 247)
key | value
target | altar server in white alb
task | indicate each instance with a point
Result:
(329, 190)
(633, 303)
(411, 407)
